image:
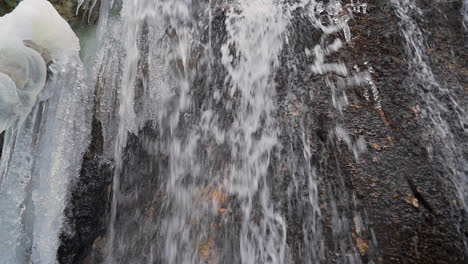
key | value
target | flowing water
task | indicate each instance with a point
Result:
(440, 103)
(216, 156)
(195, 187)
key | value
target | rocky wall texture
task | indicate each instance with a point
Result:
(394, 205)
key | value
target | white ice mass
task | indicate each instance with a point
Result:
(43, 143)
(23, 70)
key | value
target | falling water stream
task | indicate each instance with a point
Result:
(214, 157)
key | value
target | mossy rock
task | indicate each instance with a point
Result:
(6, 6)
(66, 8)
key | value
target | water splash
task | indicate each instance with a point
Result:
(255, 40)
(254, 88)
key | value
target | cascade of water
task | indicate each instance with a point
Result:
(186, 224)
(131, 58)
(124, 116)
(88, 7)
(255, 39)
(439, 104)
(250, 138)
(126, 112)
(331, 18)
(200, 76)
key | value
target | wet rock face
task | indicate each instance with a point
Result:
(66, 8)
(394, 205)
(88, 13)
(87, 212)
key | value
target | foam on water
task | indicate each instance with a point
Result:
(256, 34)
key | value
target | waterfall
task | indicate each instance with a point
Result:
(255, 38)
(251, 133)
(219, 156)
(233, 131)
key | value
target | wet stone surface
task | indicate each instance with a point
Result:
(393, 205)
(87, 212)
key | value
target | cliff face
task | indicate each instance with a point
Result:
(395, 204)
(401, 206)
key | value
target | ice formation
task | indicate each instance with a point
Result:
(22, 69)
(44, 143)
(22, 77)
(38, 21)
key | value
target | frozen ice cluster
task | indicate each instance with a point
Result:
(22, 69)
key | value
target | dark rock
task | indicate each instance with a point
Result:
(7, 6)
(392, 205)
(87, 212)
(375, 189)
